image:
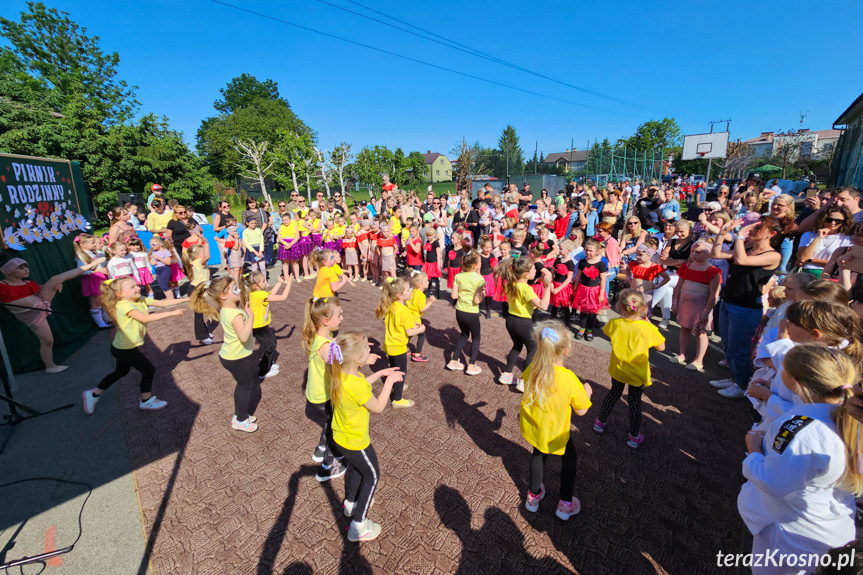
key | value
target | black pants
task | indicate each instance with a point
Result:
(203, 327)
(400, 361)
(267, 338)
(421, 339)
(362, 480)
(469, 325)
(588, 321)
(243, 371)
(567, 313)
(521, 331)
(568, 466)
(326, 443)
(634, 398)
(126, 360)
(434, 283)
(488, 301)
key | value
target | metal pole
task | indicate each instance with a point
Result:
(571, 144)
(8, 366)
(536, 158)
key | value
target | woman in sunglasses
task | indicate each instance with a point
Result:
(633, 236)
(831, 233)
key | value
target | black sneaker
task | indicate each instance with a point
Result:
(579, 334)
(588, 336)
(337, 469)
(319, 453)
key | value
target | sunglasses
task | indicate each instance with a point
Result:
(294, 195)
(631, 223)
(282, 206)
(834, 221)
(179, 213)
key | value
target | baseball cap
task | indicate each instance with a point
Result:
(427, 217)
(156, 188)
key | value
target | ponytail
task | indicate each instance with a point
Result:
(206, 298)
(80, 252)
(392, 289)
(839, 326)
(514, 270)
(553, 339)
(110, 296)
(316, 310)
(343, 353)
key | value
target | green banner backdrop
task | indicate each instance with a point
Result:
(44, 207)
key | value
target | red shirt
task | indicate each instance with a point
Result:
(349, 244)
(389, 242)
(702, 277)
(414, 252)
(10, 293)
(560, 225)
(645, 272)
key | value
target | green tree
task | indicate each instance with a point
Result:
(291, 152)
(243, 90)
(653, 135)
(55, 51)
(509, 159)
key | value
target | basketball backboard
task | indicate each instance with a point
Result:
(705, 146)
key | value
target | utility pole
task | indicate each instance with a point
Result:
(571, 144)
(536, 158)
(710, 160)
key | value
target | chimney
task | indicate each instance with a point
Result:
(429, 152)
(567, 150)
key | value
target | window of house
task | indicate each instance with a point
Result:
(446, 172)
(437, 172)
(441, 161)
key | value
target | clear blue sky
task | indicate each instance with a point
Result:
(758, 63)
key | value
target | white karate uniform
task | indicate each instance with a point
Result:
(123, 267)
(793, 499)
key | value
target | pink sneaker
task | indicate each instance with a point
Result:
(634, 442)
(566, 509)
(532, 503)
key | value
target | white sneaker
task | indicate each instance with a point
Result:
(455, 365)
(722, 383)
(207, 341)
(248, 425)
(505, 379)
(663, 324)
(152, 404)
(89, 401)
(365, 531)
(732, 391)
(274, 370)
(520, 385)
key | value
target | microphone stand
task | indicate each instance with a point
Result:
(14, 418)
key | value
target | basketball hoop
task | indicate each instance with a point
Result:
(701, 154)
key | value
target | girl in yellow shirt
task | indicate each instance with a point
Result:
(551, 394)
(328, 281)
(321, 319)
(400, 325)
(353, 400)
(519, 318)
(260, 298)
(195, 265)
(226, 300)
(631, 338)
(418, 305)
(468, 290)
(121, 300)
(290, 251)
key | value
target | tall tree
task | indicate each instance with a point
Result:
(243, 90)
(342, 157)
(655, 135)
(510, 162)
(54, 50)
(290, 152)
(256, 163)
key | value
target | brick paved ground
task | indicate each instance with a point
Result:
(454, 468)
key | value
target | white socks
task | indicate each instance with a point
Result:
(96, 314)
(176, 291)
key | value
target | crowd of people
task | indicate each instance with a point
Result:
(779, 286)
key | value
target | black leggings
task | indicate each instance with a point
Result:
(362, 480)
(400, 361)
(567, 313)
(488, 301)
(434, 283)
(325, 443)
(469, 325)
(568, 466)
(267, 338)
(421, 339)
(634, 398)
(521, 331)
(588, 321)
(126, 360)
(203, 327)
(243, 371)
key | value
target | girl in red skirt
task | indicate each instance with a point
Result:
(456, 251)
(499, 272)
(487, 263)
(561, 291)
(590, 296)
(432, 256)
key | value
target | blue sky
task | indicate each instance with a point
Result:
(759, 64)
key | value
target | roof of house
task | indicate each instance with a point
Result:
(577, 156)
(430, 157)
(854, 110)
(825, 134)
(764, 138)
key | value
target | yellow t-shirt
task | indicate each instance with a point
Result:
(395, 225)
(322, 283)
(468, 283)
(339, 232)
(318, 384)
(288, 231)
(232, 347)
(338, 270)
(316, 226)
(130, 332)
(156, 221)
(521, 306)
(304, 228)
(260, 308)
(631, 341)
(397, 320)
(200, 272)
(406, 233)
(350, 416)
(416, 303)
(547, 427)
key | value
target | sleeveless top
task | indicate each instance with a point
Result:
(681, 253)
(744, 285)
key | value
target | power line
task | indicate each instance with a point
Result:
(416, 61)
(472, 51)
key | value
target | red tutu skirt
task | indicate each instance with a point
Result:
(146, 278)
(432, 270)
(587, 300)
(176, 273)
(538, 289)
(91, 284)
(562, 298)
(499, 291)
(490, 287)
(450, 276)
